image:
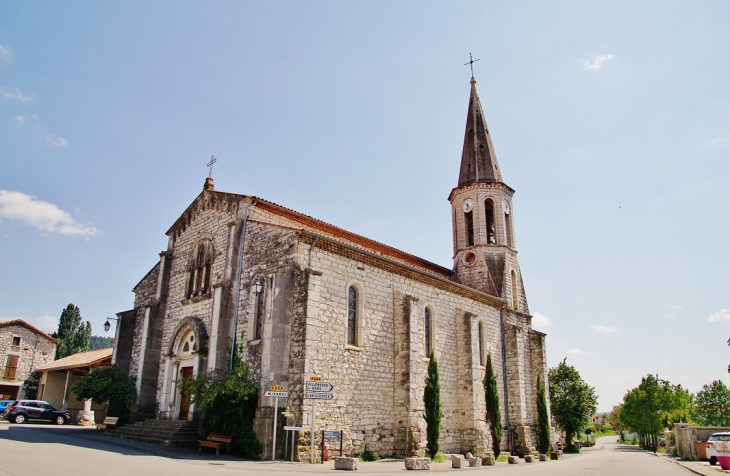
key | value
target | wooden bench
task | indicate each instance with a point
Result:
(219, 442)
(109, 422)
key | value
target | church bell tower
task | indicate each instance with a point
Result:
(485, 250)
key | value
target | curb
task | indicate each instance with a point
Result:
(688, 468)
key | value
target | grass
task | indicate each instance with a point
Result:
(440, 458)
(502, 458)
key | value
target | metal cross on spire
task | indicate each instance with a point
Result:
(471, 64)
(213, 160)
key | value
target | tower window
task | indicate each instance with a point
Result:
(515, 303)
(489, 213)
(508, 229)
(469, 220)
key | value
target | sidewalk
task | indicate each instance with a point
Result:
(702, 468)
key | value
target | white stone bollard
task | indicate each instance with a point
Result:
(475, 462)
(457, 461)
(513, 460)
(529, 459)
(488, 461)
(418, 464)
(543, 457)
(345, 463)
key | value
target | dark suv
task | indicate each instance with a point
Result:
(22, 410)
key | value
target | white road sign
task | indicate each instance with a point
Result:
(319, 396)
(293, 428)
(319, 387)
(270, 393)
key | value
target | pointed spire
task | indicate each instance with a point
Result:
(478, 160)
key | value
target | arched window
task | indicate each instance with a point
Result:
(515, 303)
(352, 317)
(508, 229)
(259, 291)
(469, 220)
(199, 270)
(480, 336)
(427, 331)
(489, 213)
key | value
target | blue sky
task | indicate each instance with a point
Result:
(609, 119)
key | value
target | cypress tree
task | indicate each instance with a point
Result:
(494, 415)
(543, 420)
(73, 335)
(432, 404)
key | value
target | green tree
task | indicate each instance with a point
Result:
(432, 405)
(614, 420)
(543, 419)
(109, 384)
(73, 335)
(713, 404)
(227, 401)
(99, 342)
(494, 414)
(572, 401)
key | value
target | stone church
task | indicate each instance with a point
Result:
(308, 299)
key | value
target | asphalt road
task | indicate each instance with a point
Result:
(36, 449)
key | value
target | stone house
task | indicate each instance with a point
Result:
(308, 299)
(23, 348)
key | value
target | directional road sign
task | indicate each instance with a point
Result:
(270, 393)
(319, 396)
(319, 387)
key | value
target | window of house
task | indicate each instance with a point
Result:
(15, 344)
(11, 367)
(427, 331)
(469, 220)
(489, 213)
(352, 316)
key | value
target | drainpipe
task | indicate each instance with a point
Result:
(238, 281)
(504, 375)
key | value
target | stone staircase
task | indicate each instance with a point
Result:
(160, 432)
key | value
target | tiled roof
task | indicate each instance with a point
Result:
(20, 322)
(82, 359)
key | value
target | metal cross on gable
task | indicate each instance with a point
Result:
(471, 64)
(213, 160)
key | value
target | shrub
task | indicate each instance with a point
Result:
(432, 404)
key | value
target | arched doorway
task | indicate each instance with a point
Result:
(185, 369)
(186, 355)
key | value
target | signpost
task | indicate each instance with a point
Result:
(316, 389)
(275, 391)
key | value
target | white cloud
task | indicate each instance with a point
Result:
(604, 329)
(7, 93)
(723, 315)
(6, 53)
(576, 351)
(56, 141)
(21, 120)
(45, 323)
(541, 321)
(598, 62)
(676, 307)
(41, 215)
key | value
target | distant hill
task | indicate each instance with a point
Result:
(99, 342)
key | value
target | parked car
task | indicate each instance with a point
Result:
(3, 406)
(712, 443)
(21, 411)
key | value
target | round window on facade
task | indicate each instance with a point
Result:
(470, 258)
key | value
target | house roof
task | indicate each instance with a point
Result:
(82, 360)
(20, 322)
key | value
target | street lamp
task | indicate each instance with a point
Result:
(108, 325)
(257, 287)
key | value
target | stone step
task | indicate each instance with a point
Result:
(154, 434)
(160, 432)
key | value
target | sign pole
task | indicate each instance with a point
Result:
(311, 432)
(293, 435)
(276, 410)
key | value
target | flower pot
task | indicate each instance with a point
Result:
(724, 462)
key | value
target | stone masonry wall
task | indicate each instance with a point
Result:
(365, 377)
(32, 352)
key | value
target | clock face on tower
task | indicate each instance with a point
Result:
(506, 206)
(467, 205)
